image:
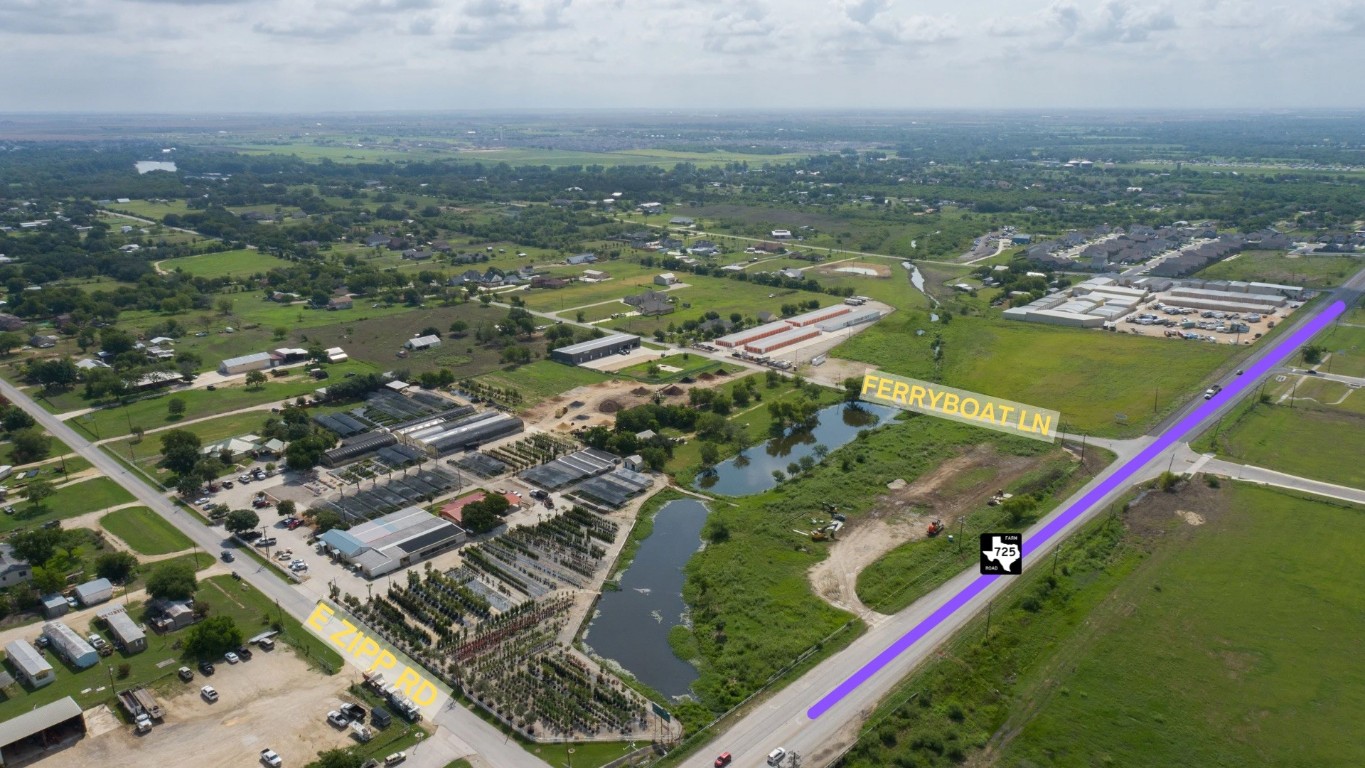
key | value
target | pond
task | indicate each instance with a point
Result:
(752, 471)
(147, 166)
(631, 626)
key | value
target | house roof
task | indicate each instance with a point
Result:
(255, 357)
(92, 588)
(26, 658)
(343, 542)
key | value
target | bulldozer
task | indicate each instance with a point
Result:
(934, 529)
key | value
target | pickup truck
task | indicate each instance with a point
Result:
(271, 759)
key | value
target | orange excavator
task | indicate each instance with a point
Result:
(935, 528)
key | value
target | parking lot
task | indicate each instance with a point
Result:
(275, 700)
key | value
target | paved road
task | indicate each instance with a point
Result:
(492, 745)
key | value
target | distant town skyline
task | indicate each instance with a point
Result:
(376, 55)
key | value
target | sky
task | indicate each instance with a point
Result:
(380, 55)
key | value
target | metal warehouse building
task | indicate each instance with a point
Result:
(467, 433)
(772, 343)
(394, 541)
(245, 363)
(595, 349)
(819, 315)
(851, 319)
(355, 448)
(740, 338)
(32, 668)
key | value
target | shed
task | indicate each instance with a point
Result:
(94, 592)
(634, 462)
(26, 736)
(422, 342)
(30, 665)
(54, 606)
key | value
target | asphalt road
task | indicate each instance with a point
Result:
(494, 747)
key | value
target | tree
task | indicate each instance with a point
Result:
(1312, 354)
(241, 520)
(286, 508)
(175, 407)
(458, 328)
(254, 379)
(37, 490)
(37, 546)
(853, 389)
(280, 333)
(8, 341)
(172, 581)
(29, 445)
(213, 637)
(710, 454)
(179, 451)
(1016, 509)
(224, 306)
(15, 418)
(117, 567)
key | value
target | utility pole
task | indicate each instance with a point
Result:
(1156, 394)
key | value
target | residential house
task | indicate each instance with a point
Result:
(42, 342)
(704, 248)
(10, 323)
(377, 241)
(340, 302)
(781, 234)
(651, 304)
(666, 279)
(595, 275)
(582, 258)
(416, 255)
(13, 570)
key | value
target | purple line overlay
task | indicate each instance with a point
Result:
(1276, 355)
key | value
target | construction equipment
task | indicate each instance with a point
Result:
(935, 528)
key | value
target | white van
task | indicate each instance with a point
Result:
(775, 756)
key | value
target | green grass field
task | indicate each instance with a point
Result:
(1346, 345)
(1256, 676)
(68, 501)
(145, 531)
(1089, 376)
(1277, 267)
(687, 365)
(1155, 643)
(238, 263)
(1311, 439)
(543, 379)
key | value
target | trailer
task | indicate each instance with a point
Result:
(140, 703)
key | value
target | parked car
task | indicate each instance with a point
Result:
(185, 674)
(231, 657)
(244, 653)
(268, 541)
(395, 758)
(244, 479)
(208, 693)
(71, 602)
(202, 501)
(271, 759)
(337, 719)
(205, 668)
(228, 484)
(353, 712)
(298, 567)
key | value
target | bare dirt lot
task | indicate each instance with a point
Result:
(956, 487)
(599, 403)
(275, 700)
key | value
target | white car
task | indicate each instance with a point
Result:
(271, 759)
(298, 565)
(231, 657)
(336, 718)
(208, 693)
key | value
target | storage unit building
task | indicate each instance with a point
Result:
(849, 320)
(30, 665)
(778, 341)
(595, 349)
(94, 592)
(70, 645)
(818, 315)
(740, 338)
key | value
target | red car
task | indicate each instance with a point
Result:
(723, 760)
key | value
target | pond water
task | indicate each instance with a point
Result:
(752, 471)
(631, 627)
(865, 271)
(147, 166)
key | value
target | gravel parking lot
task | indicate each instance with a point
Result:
(275, 700)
